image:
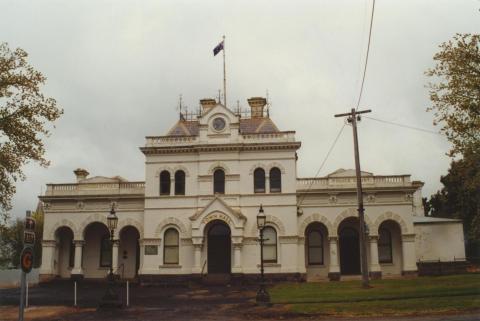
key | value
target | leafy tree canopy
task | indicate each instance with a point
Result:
(455, 92)
(24, 115)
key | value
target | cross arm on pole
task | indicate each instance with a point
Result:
(354, 112)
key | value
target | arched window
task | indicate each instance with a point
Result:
(385, 246)
(170, 247)
(179, 182)
(269, 245)
(275, 180)
(259, 180)
(315, 247)
(219, 182)
(105, 251)
(165, 183)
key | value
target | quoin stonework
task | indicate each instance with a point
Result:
(195, 213)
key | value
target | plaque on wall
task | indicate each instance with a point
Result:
(151, 249)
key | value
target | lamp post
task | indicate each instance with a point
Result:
(111, 298)
(263, 298)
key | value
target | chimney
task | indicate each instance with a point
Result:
(81, 174)
(207, 104)
(256, 106)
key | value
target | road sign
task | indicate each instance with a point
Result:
(28, 237)
(29, 224)
(26, 260)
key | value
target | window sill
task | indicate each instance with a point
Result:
(316, 265)
(170, 266)
(270, 265)
(387, 263)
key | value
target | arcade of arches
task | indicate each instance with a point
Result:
(92, 256)
(333, 256)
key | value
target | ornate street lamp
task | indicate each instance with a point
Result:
(263, 298)
(111, 298)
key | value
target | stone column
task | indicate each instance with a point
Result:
(115, 247)
(47, 271)
(77, 271)
(237, 258)
(334, 269)
(141, 248)
(197, 268)
(267, 183)
(409, 266)
(375, 269)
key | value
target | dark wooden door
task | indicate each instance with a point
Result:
(349, 252)
(219, 249)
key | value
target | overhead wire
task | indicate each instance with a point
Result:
(358, 103)
(322, 164)
(366, 57)
(404, 126)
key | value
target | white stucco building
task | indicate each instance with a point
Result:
(195, 213)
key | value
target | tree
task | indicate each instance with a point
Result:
(455, 94)
(24, 115)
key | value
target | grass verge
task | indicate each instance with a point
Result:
(386, 297)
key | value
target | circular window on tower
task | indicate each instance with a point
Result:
(219, 124)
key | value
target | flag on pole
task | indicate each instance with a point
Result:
(218, 48)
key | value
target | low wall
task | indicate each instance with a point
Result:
(442, 268)
(11, 278)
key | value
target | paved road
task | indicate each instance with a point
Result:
(180, 304)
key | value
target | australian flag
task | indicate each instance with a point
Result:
(218, 48)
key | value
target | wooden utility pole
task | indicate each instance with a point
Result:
(352, 119)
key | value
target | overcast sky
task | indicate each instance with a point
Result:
(118, 67)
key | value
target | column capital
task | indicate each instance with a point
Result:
(333, 238)
(78, 242)
(373, 238)
(237, 245)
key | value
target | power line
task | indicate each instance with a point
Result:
(404, 126)
(323, 163)
(366, 58)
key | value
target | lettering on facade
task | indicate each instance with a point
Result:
(216, 216)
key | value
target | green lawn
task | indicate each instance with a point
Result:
(399, 296)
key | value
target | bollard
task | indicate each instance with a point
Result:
(128, 294)
(75, 294)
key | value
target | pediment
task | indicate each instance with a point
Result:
(219, 109)
(219, 207)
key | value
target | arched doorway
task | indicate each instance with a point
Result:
(349, 247)
(219, 246)
(65, 252)
(97, 251)
(128, 253)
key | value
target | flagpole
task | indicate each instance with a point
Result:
(224, 76)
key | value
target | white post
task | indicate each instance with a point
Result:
(128, 294)
(75, 294)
